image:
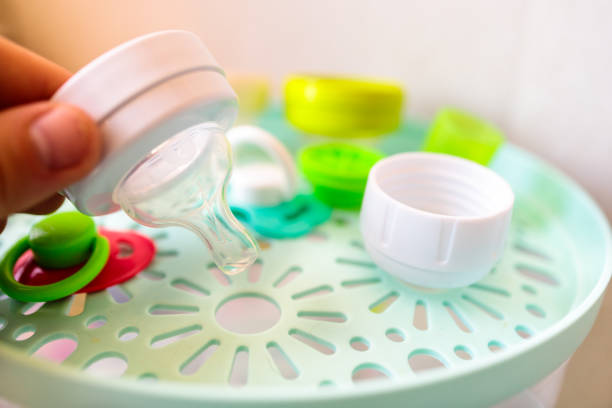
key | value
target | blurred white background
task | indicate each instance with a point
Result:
(540, 69)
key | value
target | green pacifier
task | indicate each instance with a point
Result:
(59, 241)
(338, 172)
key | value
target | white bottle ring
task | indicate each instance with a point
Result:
(435, 220)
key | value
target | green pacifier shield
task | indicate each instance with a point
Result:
(338, 172)
(59, 241)
(461, 134)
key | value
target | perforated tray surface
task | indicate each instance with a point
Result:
(315, 321)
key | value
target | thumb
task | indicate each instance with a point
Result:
(44, 147)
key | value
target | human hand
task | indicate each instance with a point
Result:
(44, 146)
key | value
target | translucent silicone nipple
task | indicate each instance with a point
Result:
(182, 182)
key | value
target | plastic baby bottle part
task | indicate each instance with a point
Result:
(264, 172)
(343, 107)
(435, 220)
(461, 134)
(60, 241)
(183, 183)
(162, 104)
(338, 172)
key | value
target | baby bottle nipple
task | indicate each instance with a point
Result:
(182, 182)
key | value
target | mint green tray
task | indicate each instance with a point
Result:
(334, 331)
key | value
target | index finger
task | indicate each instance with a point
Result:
(25, 76)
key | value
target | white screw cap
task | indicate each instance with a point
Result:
(435, 220)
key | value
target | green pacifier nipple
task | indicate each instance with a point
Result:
(62, 240)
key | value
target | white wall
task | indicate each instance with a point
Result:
(541, 69)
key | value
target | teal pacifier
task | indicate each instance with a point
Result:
(262, 190)
(287, 220)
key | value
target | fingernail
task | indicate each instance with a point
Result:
(61, 138)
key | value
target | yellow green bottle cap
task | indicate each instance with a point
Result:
(460, 134)
(343, 107)
(338, 172)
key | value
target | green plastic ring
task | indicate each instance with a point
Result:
(53, 291)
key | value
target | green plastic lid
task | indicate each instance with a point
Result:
(338, 172)
(461, 134)
(343, 107)
(62, 240)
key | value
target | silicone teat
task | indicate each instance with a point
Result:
(182, 182)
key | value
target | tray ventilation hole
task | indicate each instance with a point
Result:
(529, 289)
(56, 348)
(368, 372)
(459, 320)
(281, 360)
(317, 343)
(424, 360)
(288, 276)
(222, 278)
(128, 333)
(173, 309)
(254, 272)
(240, 367)
(360, 344)
(523, 331)
(317, 291)
(496, 346)
(95, 322)
(167, 252)
(529, 250)
(356, 262)
(31, 308)
(76, 305)
(536, 311)
(349, 284)
(158, 236)
(109, 364)
(537, 274)
(248, 313)
(419, 320)
(197, 360)
(148, 377)
(165, 339)
(189, 287)
(119, 294)
(24, 333)
(395, 335)
(333, 317)
(326, 383)
(490, 289)
(357, 244)
(463, 352)
(152, 274)
(483, 307)
(384, 303)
